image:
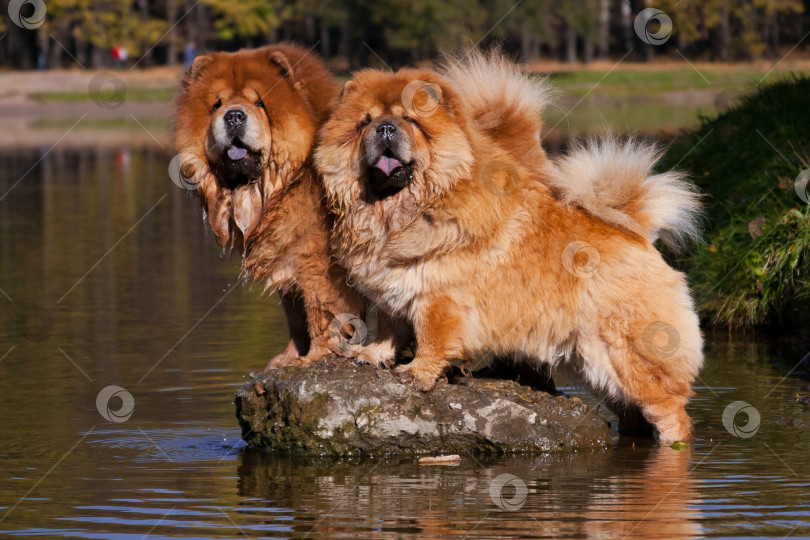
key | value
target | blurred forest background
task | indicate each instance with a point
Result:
(354, 32)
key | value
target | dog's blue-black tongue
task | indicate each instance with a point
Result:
(236, 153)
(387, 164)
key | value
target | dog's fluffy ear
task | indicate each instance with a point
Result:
(348, 88)
(279, 59)
(195, 69)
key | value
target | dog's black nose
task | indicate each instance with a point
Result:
(386, 130)
(234, 117)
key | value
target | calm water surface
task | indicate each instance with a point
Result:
(108, 278)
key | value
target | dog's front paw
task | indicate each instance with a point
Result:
(382, 357)
(289, 360)
(276, 362)
(415, 377)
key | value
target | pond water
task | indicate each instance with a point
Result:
(108, 278)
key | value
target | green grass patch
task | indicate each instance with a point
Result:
(754, 269)
(621, 116)
(138, 95)
(115, 124)
(640, 83)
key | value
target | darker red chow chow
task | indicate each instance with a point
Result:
(244, 129)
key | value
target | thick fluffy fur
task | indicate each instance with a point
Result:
(480, 253)
(615, 182)
(244, 130)
(504, 103)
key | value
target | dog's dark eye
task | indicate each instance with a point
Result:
(364, 122)
(415, 123)
(260, 104)
(217, 105)
(412, 121)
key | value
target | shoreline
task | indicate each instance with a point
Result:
(43, 108)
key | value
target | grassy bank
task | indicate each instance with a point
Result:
(141, 95)
(754, 269)
(636, 83)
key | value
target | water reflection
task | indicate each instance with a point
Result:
(638, 492)
(107, 277)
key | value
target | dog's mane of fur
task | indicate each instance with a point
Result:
(612, 180)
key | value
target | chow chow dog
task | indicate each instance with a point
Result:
(244, 129)
(451, 217)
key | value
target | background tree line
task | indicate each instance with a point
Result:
(355, 32)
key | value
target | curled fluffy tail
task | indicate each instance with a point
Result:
(614, 181)
(505, 102)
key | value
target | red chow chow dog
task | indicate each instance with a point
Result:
(244, 130)
(451, 217)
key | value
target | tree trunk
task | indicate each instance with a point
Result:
(81, 52)
(96, 57)
(43, 48)
(627, 24)
(20, 47)
(199, 31)
(345, 44)
(287, 30)
(536, 47)
(773, 46)
(309, 28)
(525, 43)
(55, 53)
(171, 45)
(587, 50)
(326, 45)
(570, 45)
(604, 28)
(146, 51)
(724, 35)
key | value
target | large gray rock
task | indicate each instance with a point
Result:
(336, 407)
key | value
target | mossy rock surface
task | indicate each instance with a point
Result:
(335, 407)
